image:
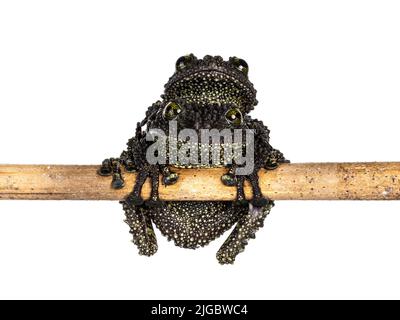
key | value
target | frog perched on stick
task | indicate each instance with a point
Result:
(203, 95)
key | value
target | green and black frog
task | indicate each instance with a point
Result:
(208, 93)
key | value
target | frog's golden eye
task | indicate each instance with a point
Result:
(234, 116)
(171, 110)
(184, 61)
(240, 64)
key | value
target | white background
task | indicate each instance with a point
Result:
(76, 76)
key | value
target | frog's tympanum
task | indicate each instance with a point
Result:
(207, 93)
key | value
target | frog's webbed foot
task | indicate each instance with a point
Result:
(169, 177)
(245, 229)
(112, 166)
(273, 160)
(231, 179)
(153, 172)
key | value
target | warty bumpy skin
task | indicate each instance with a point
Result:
(207, 93)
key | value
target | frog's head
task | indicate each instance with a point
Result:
(211, 81)
(204, 101)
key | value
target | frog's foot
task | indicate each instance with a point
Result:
(271, 164)
(112, 166)
(141, 228)
(169, 177)
(231, 179)
(244, 230)
(273, 160)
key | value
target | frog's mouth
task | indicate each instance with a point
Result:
(212, 86)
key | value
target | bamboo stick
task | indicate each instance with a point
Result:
(307, 181)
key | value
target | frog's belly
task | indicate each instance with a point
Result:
(192, 224)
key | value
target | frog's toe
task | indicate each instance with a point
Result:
(170, 179)
(228, 180)
(130, 166)
(105, 169)
(117, 181)
(225, 257)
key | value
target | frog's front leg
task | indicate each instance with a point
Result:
(153, 172)
(231, 179)
(135, 197)
(245, 229)
(113, 166)
(270, 161)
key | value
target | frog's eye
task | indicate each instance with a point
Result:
(240, 64)
(171, 110)
(184, 61)
(234, 116)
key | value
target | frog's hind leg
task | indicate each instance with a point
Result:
(134, 198)
(141, 228)
(245, 229)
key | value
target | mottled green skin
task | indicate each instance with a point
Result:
(207, 91)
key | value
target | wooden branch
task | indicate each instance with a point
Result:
(308, 181)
